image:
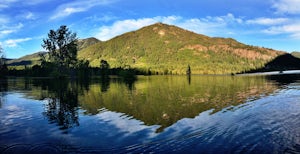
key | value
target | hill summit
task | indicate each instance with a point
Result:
(162, 49)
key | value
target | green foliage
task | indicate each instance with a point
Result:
(155, 100)
(84, 43)
(156, 49)
(104, 64)
(104, 68)
(62, 47)
(3, 66)
(161, 49)
(3, 70)
(163, 101)
(37, 58)
(127, 74)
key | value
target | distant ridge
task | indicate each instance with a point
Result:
(84, 43)
(31, 59)
(34, 58)
(167, 49)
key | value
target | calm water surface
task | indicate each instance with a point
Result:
(156, 114)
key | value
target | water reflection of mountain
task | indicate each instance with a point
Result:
(155, 100)
(284, 79)
(163, 100)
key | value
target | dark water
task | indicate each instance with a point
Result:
(157, 114)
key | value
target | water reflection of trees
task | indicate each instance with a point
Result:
(3, 89)
(163, 101)
(61, 98)
(105, 81)
(62, 106)
(155, 100)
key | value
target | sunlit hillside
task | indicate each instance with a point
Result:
(166, 49)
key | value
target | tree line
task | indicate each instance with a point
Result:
(61, 60)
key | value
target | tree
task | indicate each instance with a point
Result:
(104, 67)
(188, 70)
(62, 47)
(104, 64)
(1, 56)
(3, 66)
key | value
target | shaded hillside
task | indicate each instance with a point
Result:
(284, 62)
(280, 63)
(5, 59)
(31, 59)
(162, 48)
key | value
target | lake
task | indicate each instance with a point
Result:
(152, 114)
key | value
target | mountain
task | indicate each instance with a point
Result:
(280, 63)
(296, 54)
(34, 58)
(162, 48)
(83, 43)
(29, 60)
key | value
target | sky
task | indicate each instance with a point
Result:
(270, 23)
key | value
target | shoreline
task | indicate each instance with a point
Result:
(270, 73)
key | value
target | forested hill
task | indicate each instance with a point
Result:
(162, 49)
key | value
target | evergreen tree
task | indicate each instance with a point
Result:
(188, 70)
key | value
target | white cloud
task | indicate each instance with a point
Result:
(29, 15)
(292, 30)
(7, 29)
(33, 2)
(229, 18)
(287, 6)
(3, 20)
(5, 32)
(208, 25)
(67, 9)
(223, 26)
(268, 21)
(126, 124)
(120, 27)
(14, 42)
(2, 6)
(8, 3)
(104, 18)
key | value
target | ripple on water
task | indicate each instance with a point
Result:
(44, 148)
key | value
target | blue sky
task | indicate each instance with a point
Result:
(269, 23)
